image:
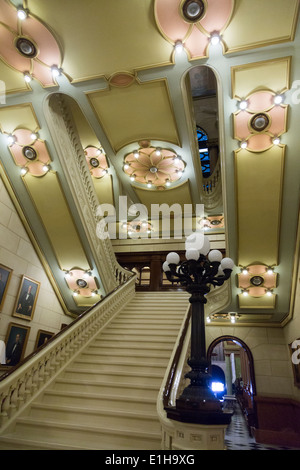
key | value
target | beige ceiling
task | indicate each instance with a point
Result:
(123, 83)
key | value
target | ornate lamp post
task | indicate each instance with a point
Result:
(201, 270)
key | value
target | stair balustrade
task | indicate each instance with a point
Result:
(20, 385)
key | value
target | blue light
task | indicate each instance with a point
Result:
(217, 387)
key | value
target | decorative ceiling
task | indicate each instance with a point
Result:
(99, 101)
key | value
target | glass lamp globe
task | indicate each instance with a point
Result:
(173, 258)
(227, 263)
(215, 255)
(192, 253)
(166, 266)
(205, 247)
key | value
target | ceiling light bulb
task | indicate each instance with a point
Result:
(276, 141)
(126, 166)
(23, 171)
(158, 152)
(22, 14)
(232, 318)
(244, 145)
(245, 293)
(179, 173)
(46, 168)
(208, 319)
(11, 139)
(278, 99)
(55, 71)
(33, 136)
(136, 154)
(168, 183)
(27, 77)
(269, 293)
(243, 104)
(244, 271)
(132, 178)
(270, 271)
(215, 39)
(149, 185)
(178, 46)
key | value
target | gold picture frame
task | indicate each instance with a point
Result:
(26, 298)
(5, 276)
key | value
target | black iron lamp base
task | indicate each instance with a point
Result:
(198, 405)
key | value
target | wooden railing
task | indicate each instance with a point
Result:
(20, 385)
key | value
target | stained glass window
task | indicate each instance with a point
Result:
(203, 152)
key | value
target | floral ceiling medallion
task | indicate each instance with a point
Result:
(153, 167)
(261, 123)
(193, 10)
(134, 228)
(81, 282)
(30, 153)
(96, 160)
(257, 280)
(192, 22)
(27, 45)
(122, 79)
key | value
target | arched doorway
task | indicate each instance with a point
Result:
(234, 357)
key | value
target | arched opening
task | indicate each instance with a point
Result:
(237, 384)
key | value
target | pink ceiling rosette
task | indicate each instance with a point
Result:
(27, 45)
(81, 282)
(260, 106)
(153, 167)
(30, 153)
(194, 34)
(257, 281)
(96, 161)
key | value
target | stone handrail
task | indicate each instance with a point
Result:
(22, 384)
(172, 381)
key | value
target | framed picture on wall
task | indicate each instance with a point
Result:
(42, 338)
(16, 341)
(5, 275)
(26, 298)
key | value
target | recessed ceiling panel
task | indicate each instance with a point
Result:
(268, 22)
(100, 37)
(259, 179)
(180, 195)
(136, 112)
(48, 197)
(269, 75)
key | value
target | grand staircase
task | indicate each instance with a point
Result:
(106, 398)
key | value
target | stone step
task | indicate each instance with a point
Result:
(99, 401)
(137, 355)
(113, 377)
(89, 386)
(79, 415)
(100, 365)
(46, 435)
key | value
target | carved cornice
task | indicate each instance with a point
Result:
(73, 162)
